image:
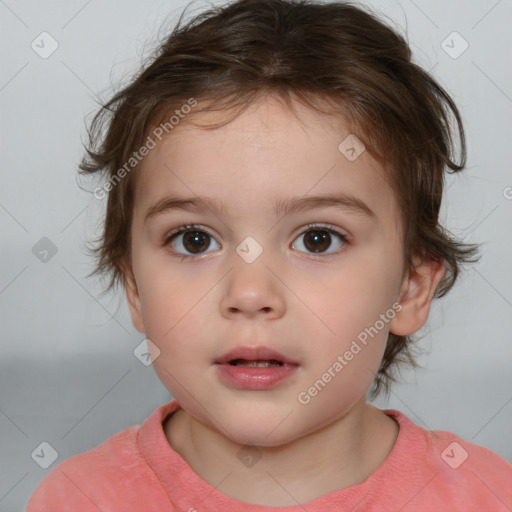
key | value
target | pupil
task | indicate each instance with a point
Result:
(193, 240)
(320, 239)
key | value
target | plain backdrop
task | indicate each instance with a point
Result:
(69, 376)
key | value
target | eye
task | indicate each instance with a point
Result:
(194, 239)
(318, 239)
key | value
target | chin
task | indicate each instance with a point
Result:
(261, 431)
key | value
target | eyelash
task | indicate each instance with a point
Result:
(194, 227)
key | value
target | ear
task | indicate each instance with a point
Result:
(416, 296)
(134, 303)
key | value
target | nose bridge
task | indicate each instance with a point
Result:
(251, 286)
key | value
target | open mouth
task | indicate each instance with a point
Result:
(260, 363)
(254, 370)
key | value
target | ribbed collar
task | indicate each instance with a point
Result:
(188, 491)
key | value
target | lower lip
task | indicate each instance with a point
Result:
(255, 379)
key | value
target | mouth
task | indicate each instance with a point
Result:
(255, 368)
(261, 363)
(255, 357)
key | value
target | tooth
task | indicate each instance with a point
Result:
(257, 364)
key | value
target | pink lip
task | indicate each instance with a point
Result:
(256, 379)
(253, 354)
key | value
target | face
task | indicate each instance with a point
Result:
(306, 282)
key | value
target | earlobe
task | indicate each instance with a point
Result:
(134, 303)
(416, 297)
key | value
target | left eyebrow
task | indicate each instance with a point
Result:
(282, 207)
(342, 200)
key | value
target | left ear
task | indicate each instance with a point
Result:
(416, 296)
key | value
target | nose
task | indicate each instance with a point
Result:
(253, 290)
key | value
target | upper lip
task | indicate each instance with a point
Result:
(250, 353)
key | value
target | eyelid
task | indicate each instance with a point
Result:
(308, 227)
(325, 226)
(330, 228)
(184, 228)
(313, 225)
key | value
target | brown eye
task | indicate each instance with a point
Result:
(320, 239)
(190, 241)
(317, 241)
(196, 241)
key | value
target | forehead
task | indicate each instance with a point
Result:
(264, 155)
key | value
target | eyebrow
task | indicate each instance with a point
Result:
(282, 207)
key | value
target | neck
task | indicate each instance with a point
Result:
(344, 453)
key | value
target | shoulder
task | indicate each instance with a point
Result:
(458, 471)
(95, 478)
(466, 461)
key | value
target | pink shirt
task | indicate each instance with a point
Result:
(137, 470)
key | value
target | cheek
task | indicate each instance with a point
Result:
(356, 308)
(355, 299)
(165, 295)
(177, 315)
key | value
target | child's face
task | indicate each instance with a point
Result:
(309, 306)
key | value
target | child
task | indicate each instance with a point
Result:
(274, 183)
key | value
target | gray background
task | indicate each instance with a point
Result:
(68, 372)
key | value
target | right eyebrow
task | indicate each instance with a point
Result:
(171, 203)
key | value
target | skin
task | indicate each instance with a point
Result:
(308, 306)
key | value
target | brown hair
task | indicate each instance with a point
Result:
(336, 58)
